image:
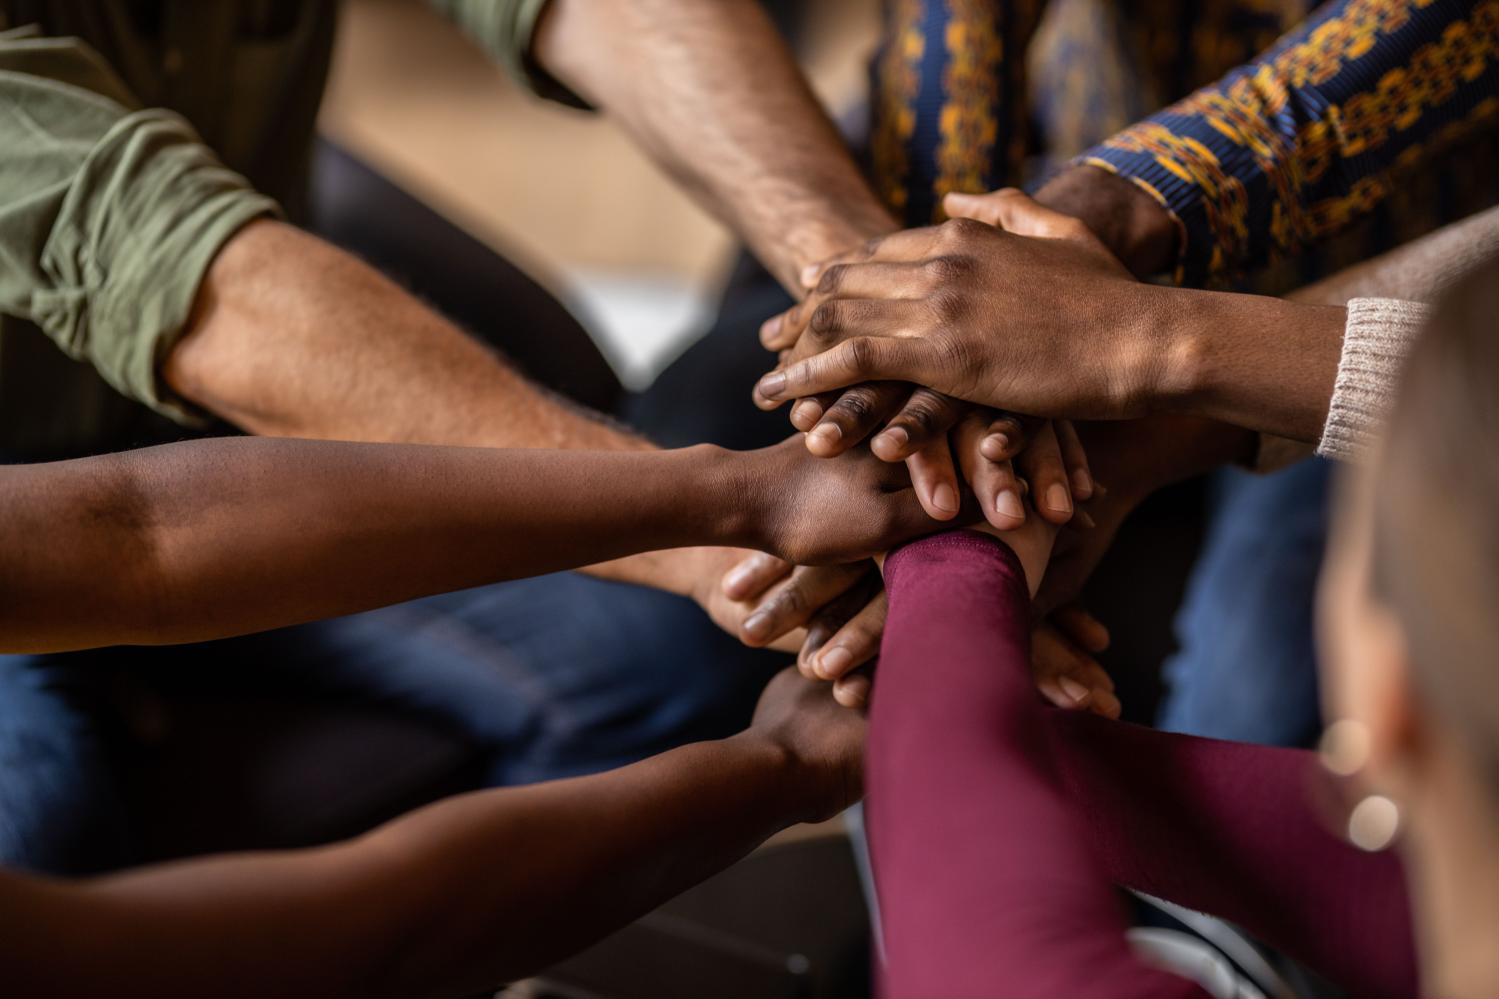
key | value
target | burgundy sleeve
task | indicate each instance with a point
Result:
(997, 824)
(986, 876)
(1231, 829)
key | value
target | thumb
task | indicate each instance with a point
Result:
(1011, 210)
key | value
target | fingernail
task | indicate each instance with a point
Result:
(771, 385)
(1058, 498)
(770, 328)
(1007, 504)
(828, 433)
(944, 499)
(1083, 520)
(757, 625)
(1073, 689)
(809, 274)
(1082, 482)
(893, 439)
(834, 662)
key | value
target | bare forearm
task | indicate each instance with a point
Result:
(222, 537)
(1261, 363)
(711, 91)
(292, 337)
(456, 898)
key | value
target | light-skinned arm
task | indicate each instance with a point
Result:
(712, 92)
(455, 899)
(221, 537)
(292, 337)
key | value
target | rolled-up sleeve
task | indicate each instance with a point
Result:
(109, 214)
(505, 30)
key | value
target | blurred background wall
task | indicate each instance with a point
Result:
(562, 193)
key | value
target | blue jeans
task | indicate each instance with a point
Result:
(1247, 666)
(547, 677)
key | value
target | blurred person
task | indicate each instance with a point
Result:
(1013, 887)
(1366, 124)
(153, 157)
(212, 538)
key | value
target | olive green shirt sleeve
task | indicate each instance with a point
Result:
(109, 214)
(504, 29)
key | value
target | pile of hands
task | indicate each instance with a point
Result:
(920, 350)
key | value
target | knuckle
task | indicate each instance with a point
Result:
(832, 279)
(825, 318)
(790, 602)
(921, 416)
(857, 405)
(861, 354)
(960, 229)
(947, 268)
(949, 303)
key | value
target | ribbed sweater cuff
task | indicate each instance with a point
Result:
(1376, 341)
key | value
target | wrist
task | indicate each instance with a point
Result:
(796, 788)
(1134, 226)
(1175, 371)
(816, 243)
(727, 501)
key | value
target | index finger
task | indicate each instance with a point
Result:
(860, 359)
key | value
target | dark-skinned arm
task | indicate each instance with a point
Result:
(457, 898)
(199, 540)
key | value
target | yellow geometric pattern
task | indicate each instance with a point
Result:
(1244, 111)
(969, 124)
(899, 73)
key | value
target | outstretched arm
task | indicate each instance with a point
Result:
(454, 899)
(709, 88)
(211, 538)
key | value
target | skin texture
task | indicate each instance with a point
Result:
(454, 899)
(218, 537)
(233, 535)
(292, 337)
(1017, 306)
(710, 90)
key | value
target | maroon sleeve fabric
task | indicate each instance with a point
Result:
(997, 824)
(1230, 829)
(986, 877)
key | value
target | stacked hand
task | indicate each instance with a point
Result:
(1047, 323)
(1035, 319)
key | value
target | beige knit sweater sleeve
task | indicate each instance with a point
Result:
(1376, 341)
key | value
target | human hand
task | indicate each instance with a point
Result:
(1135, 458)
(834, 613)
(823, 740)
(1050, 324)
(1062, 649)
(815, 512)
(998, 454)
